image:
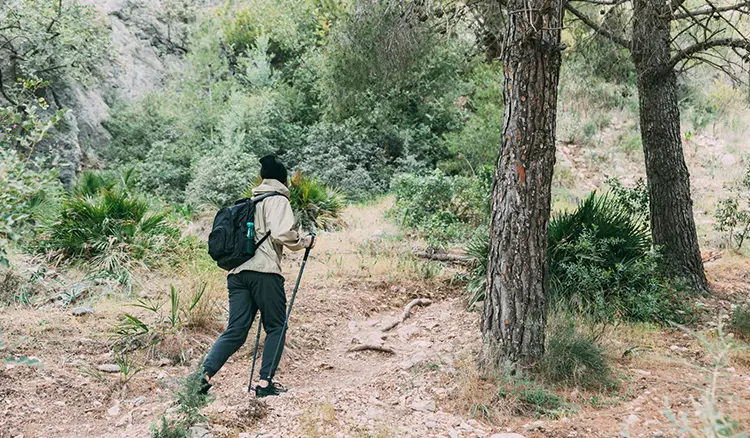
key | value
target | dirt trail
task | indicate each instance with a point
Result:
(357, 280)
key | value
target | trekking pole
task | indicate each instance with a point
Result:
(291, 303)
(255, 355)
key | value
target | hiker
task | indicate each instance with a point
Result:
(257, 284)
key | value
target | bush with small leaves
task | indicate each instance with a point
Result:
(189, 402)
(740, 321)
(222, 178)
(733, 212)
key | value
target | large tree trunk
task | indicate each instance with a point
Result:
(672, 223)
(515, 306)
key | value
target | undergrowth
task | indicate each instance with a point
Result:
(189, 402)
(111, 228)
(601, 264)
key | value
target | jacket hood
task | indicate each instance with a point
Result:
(271, 186)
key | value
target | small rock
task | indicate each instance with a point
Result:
(243, 435)
(80, 311)
(452, 433)
(632, 419)
(424, 405)
(417, 358)
(465, 427)
(657, 434)
(408, 331)
(200, 431)
(114, 411)
(506, 435)
(352, 326)
(109, 368)
(678, 348)
(728, 160)
(135, 401)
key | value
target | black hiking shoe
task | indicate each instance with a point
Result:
(205, 386)
(273, 389)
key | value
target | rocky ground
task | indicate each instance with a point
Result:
(421, 380)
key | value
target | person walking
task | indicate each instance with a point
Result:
(257, 284)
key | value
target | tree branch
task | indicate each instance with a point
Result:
(603, 2)
(2, 91)
(710, 9)
(688, 52)
(597, 28)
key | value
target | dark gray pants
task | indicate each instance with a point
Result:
(249, 292)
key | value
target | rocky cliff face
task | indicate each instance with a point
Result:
(148, 42)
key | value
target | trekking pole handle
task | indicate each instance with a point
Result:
(312, 242)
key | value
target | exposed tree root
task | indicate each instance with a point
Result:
(458, 259)
(405, 313)
(371, 347)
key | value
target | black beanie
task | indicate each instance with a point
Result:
(271, 168)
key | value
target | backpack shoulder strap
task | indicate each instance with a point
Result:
(259, 198)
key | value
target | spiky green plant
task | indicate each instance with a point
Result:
(600, 263)
(479, 250)
(101, 222)
(600, 217)
(316, 206)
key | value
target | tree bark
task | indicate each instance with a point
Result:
(672, 222)
(514, 316)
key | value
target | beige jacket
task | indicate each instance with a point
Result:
(273, 214)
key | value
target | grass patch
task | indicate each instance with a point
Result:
(574, 358)
(740, 322)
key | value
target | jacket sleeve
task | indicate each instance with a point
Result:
(280, 220)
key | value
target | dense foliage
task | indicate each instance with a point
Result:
(442, 208)
(733, 212)
(600, 257)
(318, 84)
(106, 224)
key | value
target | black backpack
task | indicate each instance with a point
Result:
(232, 242)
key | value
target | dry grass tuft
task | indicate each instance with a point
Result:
(318, 421)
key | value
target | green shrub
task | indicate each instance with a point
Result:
(165, 171)
(222, 178)
(189, 403)
(479, 251)
(633, 200)
(740, 322)
(477, 144)
(529, 398)
(442, 208)
(110, 228)
(27, 193)
(573, 358)
(345, 157)
(315, 206)
(733, 212)
(601, 265)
